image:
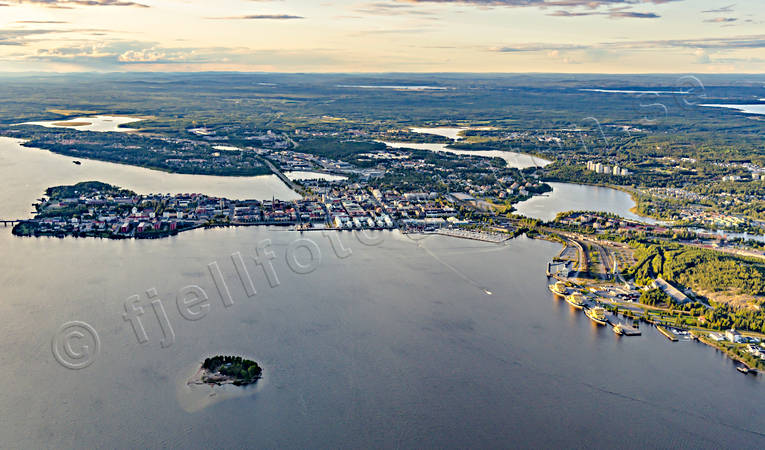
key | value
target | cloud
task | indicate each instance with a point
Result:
(142, 56)
(538, 47)
(724, 9)
(69, 4)
(260, 17)
(41, 22)
(392, 9)
(138, 55)
(19, 37)
(721, 20)
(614, 9)
(613, 14)
(591, 4)
(725, 43)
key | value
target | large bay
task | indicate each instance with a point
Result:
(27, 172)
(396, 345)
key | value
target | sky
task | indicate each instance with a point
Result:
(509, 36)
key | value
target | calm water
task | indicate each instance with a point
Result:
(732, 235)
(306, 175)
(397, 345)
(397, 88)
(29, 171)
(626, 91)
(513, 159)
(578, 197)
(452, 133)
(749, 109)
(95, 123)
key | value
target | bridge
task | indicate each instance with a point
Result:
(291, 184)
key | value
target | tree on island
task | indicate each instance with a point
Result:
(244, 371)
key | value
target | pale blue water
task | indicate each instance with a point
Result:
(396, 345)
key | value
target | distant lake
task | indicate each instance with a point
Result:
(579, 197)
(624, 91)
(305, 175)
(95, 123)
(513, 159)
(731, 235)
(452, 133)
(748, 109)
(401, 88)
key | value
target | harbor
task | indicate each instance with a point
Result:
(585, 275)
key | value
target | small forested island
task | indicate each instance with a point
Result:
(220, 370)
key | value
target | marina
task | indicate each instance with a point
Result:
(495, 238)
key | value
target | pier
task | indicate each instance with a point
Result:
(495, 238)
(668, 334)
(627, 330)
(9, 222)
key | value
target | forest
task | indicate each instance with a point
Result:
(699, 269)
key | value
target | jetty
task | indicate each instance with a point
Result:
(668, 334)
(627, 330)
(495, 238)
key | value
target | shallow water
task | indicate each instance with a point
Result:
(580, 197)
(91, 123)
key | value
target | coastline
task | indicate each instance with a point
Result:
(629, 191)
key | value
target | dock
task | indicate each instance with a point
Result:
(628, 330)
(668, 334)
(495, 238)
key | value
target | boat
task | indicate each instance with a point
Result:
(576, 300)
(77, 163)
(742, 369)
(597, 315)
(559, 288)
(618, 329)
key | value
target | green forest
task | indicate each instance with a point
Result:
(699, 269)
(244, 370)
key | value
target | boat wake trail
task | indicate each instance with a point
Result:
(456, 271)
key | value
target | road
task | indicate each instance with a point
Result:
(291, 184)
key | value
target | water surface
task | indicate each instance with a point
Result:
(452, 133)
(748, 109)
(307, 175)
(394, 345)
(579, 197)
(95, 123)
(397, 345)
(513, 159)
(27, 172)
